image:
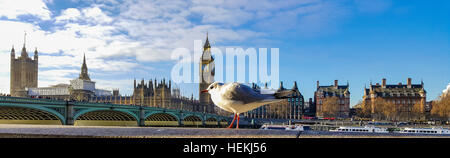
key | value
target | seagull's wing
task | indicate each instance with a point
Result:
(283, 94)
(243, 93)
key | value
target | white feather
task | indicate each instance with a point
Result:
(238, 98)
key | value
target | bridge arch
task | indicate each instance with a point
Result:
(161, 119)
(26, 114)
(223, 122)
(211, 121)
(192, 120)
(105, 117)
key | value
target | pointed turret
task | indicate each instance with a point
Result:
(365, 90)
(13, 53)
(84, 70)
(207, 45)
(24, 50)
(35, 54)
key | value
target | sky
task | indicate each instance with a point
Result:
(355, 41)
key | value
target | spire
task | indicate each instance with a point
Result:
(207, 45)
(24, 39)
(35, 53)
(84, 70)
(13, 52)
(24, 50)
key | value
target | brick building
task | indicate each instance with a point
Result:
(341, 92)
(401, 95)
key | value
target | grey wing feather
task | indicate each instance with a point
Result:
(240, 92)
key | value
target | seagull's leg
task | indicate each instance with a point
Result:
(237, 123)
(232, 122)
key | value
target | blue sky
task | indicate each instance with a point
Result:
(350, 40)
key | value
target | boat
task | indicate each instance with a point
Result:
(365, 129)
(282, 127)
(434, 130)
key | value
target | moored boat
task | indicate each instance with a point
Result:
(365, 129)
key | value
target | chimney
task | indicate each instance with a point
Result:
(335, 83)
(409, 82)
(281, 86)
(295, 85)
(399, 83)
(383, 83)
(317, 84)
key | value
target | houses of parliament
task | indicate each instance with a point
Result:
(24, 83)
(151, 93)
(24, 72)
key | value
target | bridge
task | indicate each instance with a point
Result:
(14, 110)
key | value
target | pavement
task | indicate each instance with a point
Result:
(8, 130)
(60, 131)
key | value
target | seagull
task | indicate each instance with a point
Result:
(239, 98)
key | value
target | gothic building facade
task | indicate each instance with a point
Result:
(206, 77)
(151, 94)
(24, 72)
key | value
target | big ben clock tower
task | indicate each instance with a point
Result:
(206, 78)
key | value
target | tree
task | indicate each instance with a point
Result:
(417, 112)
(362, 109)
(441, 108)
(330, 107)
(384, 110)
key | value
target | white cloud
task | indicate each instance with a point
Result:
(14, 8)
(93, 15)
(447, 91)
(96, 14)
(120, 37)
(55, 76)
(69, 14)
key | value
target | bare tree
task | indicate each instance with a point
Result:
(330, 107)
(417, 111)
(362, 109)
(385, 110)
(441, 108)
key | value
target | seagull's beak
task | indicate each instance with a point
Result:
(204, 91)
